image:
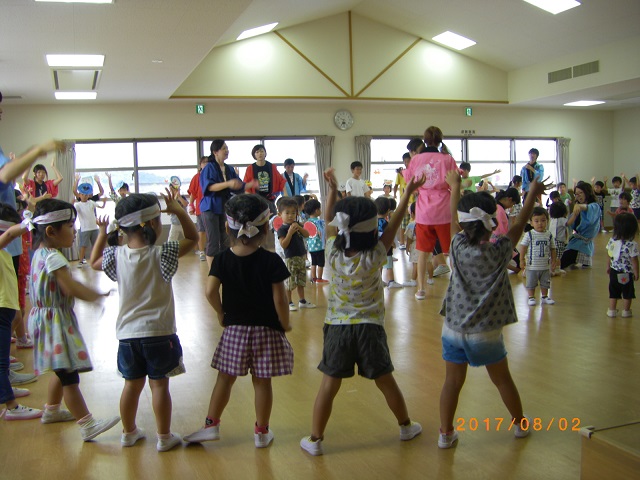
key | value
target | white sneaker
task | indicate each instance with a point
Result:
(292, 307)
(21, 378)
(55, 416)
(15, 366)
(165, 444)
(547, 300)
(203, 257)
(82, 263)
(441, 270)
(447, 441)
(402, 246)
(20, 392)
(407, 432)
(410, 283)
(430, 281)
(205, 434)
(22, 413)
(94, 427)
(612, 313)
(305, 305)
(531, 302)
(626, 314)
(394, 284)
(263, 440)
(520, 432)
(311, 447)
(130, 439)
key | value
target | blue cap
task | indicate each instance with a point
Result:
(85, 189)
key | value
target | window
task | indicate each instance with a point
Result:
(113, 155)
(386, 159)
(487, 156)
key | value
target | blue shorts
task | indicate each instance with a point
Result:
(476, 349)
(155, 357)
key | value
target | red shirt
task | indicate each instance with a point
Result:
(196, 192)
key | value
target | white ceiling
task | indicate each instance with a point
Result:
(510, 34)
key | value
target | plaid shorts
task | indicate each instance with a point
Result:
(262, 350)
(298, 271)
(560, 248)
(584, 259)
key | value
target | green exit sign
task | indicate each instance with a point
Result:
(468, 111)
(200, 109)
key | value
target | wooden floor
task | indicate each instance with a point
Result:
(572, 364)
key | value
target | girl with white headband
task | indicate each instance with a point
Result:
(146, 323)
(254, 311)
(479, 302)
(58, 343)
(354, 325)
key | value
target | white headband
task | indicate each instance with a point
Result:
(341, 221)
(477, 214)
(249, 229)
(139, 217)
(47, 218)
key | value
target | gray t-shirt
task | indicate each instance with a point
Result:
(479, 297)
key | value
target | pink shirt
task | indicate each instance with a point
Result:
(503, 224)
(433, 197)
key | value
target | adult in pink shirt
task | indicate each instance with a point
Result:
(195, 196)
(433, 217)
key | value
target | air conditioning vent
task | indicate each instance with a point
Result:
(76, 80)
(559, 75)
(586, 69)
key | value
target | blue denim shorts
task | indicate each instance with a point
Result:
(476, 349)
(155, 357)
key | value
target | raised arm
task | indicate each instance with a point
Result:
(454, 180)
(59, 176)
(536, 188)
(389, 234)
(188, 227)
(332, 197)
(101, 190)
(101, 242)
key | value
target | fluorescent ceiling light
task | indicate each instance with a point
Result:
(76, 95)
(453, 40)
(76, 1)
(256, 31)
(75, 60)
(554, 6)
(583, 103)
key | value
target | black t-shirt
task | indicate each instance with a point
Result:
(263, 175)
(41, 189)
(247, 295)
(296, 245)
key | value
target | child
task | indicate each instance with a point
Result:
(253, 336)
(554, 197)
(559, 230)
(291, 237)
(386, 189)
(123, 189)
(623, 267)
(516, 182)
(615, 191)
(146, 324)
(600, 193)
(355, 186)
(538, 257)
(175, 231)
(40, 188)
(471, 183)
(87, 215)
(635, 194)
(10, 229)
(315, 244)
(473, 335)
(52, 291)
(410, 236)
(624, 199)
(354, 324)
(541, 258)
(383, 207)
(565, 197)
(506, 199)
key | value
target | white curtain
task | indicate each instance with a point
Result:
(363, 154)
(324, 152)
(66, 163)
(562, 159)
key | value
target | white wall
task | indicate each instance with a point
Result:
(626, 147)
(593, 134)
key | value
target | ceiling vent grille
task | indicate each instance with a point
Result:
(76, 80)
(559, 75)
(586, 69)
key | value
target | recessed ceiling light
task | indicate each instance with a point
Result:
(554, 6)
(583, 103)
(256, 31)
(75, 60)
(76, 1)
(453, 40)
(76, 95)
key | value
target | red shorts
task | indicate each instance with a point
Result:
(426, 236)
